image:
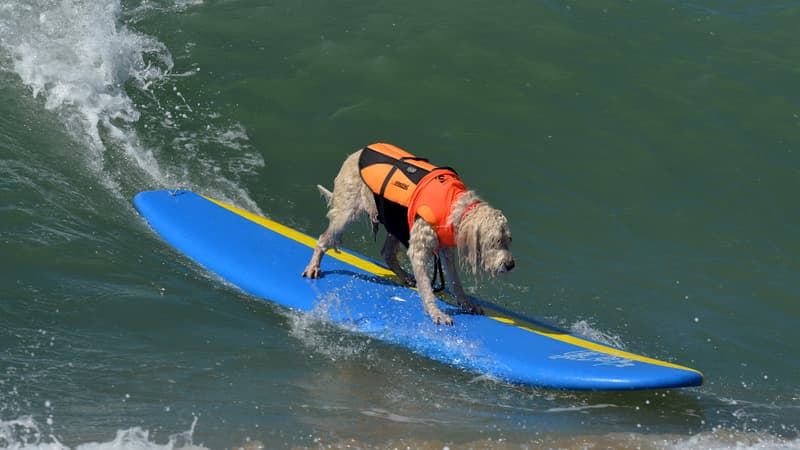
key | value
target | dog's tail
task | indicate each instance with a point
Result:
(326, 194)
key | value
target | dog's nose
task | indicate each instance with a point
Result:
(509, 264)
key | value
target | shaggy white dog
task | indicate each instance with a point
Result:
(481, 236)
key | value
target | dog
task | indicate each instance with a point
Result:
(424, 207)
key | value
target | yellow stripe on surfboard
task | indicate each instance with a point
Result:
(384, 272)
(593, 346)
(305, 239)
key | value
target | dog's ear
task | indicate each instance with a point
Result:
(468, 242)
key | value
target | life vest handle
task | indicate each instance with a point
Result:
(413, 158)
(437, 273)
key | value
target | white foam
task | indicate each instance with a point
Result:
(725, 439)
(25, 433)
(78, 56)
(168, 7)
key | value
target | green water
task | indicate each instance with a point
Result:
(647, 155)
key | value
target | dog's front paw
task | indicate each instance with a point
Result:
(440, 318)
(312, 271)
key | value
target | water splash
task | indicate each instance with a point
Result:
(114, 89)
(76, 56)
(317, 332)
(25, 433)
(585, 328)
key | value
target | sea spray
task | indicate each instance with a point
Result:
(26, 433)
(115, 91)
(77, 57)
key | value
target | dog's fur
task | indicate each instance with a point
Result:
(482, 239)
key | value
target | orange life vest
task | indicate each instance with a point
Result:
(406, 186)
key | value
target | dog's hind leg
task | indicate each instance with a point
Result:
(350, 198)
(389, 253)
(449, 262)
(327, 240)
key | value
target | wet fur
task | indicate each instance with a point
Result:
(482, 239)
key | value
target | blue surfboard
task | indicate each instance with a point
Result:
(264, 259)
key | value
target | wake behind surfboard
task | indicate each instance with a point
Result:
(264, 259)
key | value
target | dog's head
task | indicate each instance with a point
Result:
(483, 238)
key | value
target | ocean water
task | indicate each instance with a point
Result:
(647, 155)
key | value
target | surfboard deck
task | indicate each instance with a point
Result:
(264, 259)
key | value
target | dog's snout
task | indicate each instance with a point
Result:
(509, 264)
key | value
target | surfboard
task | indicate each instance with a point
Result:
(264, 259)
